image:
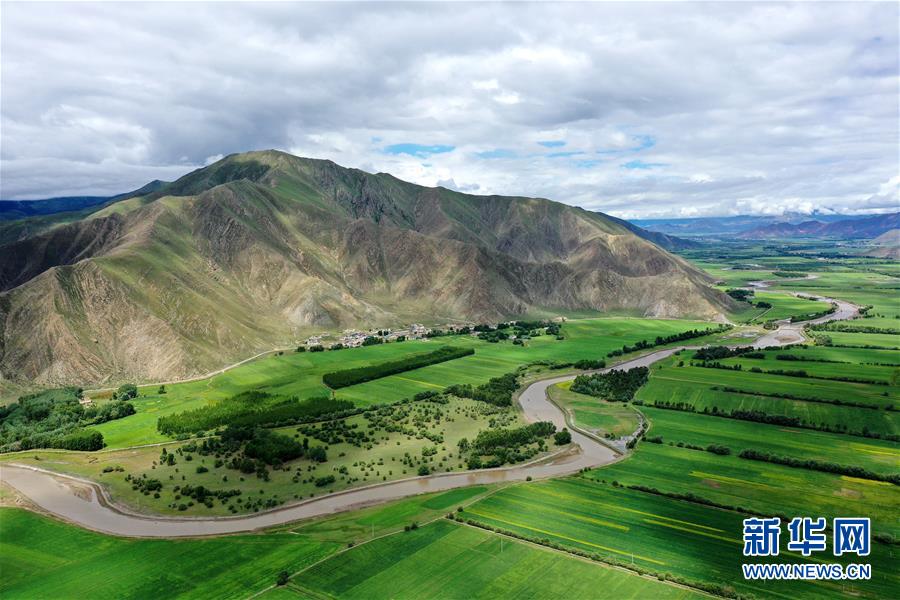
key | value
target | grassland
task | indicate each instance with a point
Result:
(447, 560)
(390, 455)
(607, 419)
(300, 374)
(652, 532)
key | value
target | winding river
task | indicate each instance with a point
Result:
(88, 505)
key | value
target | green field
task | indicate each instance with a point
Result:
(701, 430)
(448, 560)
(300, 374)
(764, 488)
(784, 306)
(694, 386)
(595, 415)
(654, 533)
(43, 558)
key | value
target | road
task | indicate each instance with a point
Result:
(88, 505)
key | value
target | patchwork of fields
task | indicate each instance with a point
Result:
(672, 509)
(300, 374)
(653, 533)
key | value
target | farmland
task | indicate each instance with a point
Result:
(300, 374)
(446, 560)
(649, 532)
(441, 559)
(43, 558)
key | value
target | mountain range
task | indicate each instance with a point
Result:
(728, 227)
(857, 228)
(261, 248)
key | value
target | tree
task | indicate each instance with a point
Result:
(562, 437)
(424, 470)
(161, 390)
(126, 391)
(283, 578)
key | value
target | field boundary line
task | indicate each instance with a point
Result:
(597, 563)
(464, 504)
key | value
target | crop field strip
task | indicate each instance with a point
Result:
(447, 560)
(702, 430)
(689, 540)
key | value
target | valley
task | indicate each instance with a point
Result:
(797, 422)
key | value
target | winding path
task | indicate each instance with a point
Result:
(87, 504)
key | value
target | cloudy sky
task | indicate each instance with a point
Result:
(637, 110)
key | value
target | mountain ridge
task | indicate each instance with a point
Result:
(263, 247)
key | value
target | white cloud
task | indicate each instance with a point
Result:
(749, 107)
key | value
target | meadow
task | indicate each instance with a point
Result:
(653, 533)
(44, 558)
(390, 455)
(761, 487)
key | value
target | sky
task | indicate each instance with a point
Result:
(638, 110)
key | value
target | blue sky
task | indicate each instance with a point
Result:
(683, 110)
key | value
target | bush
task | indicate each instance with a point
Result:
(561, 438)
(719, 449)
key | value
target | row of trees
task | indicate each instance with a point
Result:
(668, 339)
(817, 465)
(347, 377)
(254, 408)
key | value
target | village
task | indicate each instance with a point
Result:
(353, 338)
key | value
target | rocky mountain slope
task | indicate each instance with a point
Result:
(261, 248)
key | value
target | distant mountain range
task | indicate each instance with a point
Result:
(856, 228)
(723, 227)
(18, 209)
(259, 249)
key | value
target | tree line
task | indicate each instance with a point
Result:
(339, 379)
(253, 408)
(668, 339)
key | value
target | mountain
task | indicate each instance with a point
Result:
(18, 209)
(728, 226)
(261, 248)
(856, 228)
(886, 245)
(668, 242)
(15, 223)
